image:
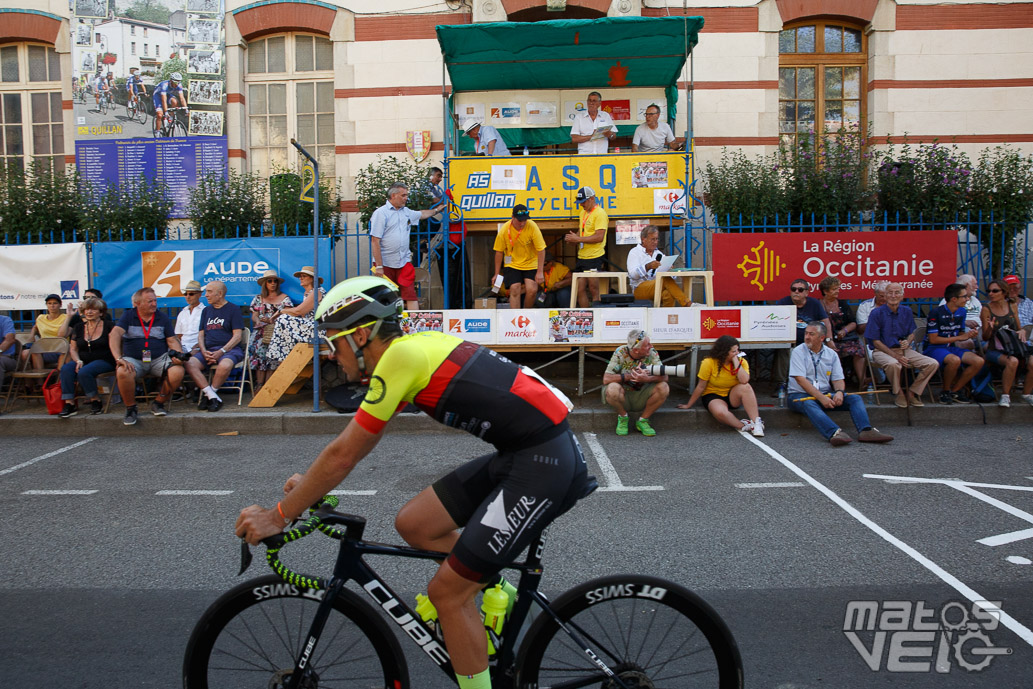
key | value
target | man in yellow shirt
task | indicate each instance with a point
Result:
(521, 246)
(591, 241)
(556, 288)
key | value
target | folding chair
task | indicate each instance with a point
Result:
(24, 374)
(5, 391)
(241, 373)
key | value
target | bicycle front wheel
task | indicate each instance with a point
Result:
(178, 128)
(650, 632)
(253, 635)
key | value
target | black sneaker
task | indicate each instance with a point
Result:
(158, 408)
(962, 396)
(69, 410)
(946, 397)
(214, 404)
(131, 414)
(202, 402)
(96, 407)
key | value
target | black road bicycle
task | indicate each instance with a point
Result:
(135, 110)
(170, 124)
(290, 631)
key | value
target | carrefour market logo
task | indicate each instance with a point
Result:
(521, 321)
(762, 268)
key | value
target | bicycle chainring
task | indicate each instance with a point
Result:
(632, 679)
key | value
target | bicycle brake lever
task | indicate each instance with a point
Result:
(245, 557)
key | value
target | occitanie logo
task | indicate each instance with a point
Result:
(762, 268)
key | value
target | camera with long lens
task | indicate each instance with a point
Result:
(662, 370)
(181, 356)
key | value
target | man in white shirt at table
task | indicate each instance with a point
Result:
(586, 122)
(654, 136)
(643, 260)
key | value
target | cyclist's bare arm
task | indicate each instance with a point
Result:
(331, 467)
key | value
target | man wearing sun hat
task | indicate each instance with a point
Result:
(188, 322)
(487, 140)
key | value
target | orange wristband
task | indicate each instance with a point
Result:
(280, 510)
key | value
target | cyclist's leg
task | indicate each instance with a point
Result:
(454, 597)
(159, 114)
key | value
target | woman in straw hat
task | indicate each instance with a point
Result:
(294, 324)
(265, 309)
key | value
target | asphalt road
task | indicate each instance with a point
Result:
(101, 587)
(115, 124)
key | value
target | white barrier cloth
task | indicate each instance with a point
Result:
(29, 273)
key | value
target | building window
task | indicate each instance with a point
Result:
(132, 48)
(290, 92)
(145, 32)
(145, 49)
(821, 74)
(132, 30)
(31, 117)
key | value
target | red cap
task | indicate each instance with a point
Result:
(1012, 279)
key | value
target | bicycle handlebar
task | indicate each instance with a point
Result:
(322, 518)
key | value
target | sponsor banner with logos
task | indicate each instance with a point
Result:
(761, 266)
(422, 322)
(123, 267)
(713, 323)
(625, 185)
(769, 323)
(29, 273)
(521, 326)
(572, 325)
(612, 325)
(475, 325)
(673, 325)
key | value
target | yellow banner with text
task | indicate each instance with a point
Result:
(625, 184)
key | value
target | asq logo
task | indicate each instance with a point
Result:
(69, 289)
(478, 325)
(167, 271)
(762, 268)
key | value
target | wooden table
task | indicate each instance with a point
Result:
(706, 275)
(622, 282)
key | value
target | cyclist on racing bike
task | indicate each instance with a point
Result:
(134, 85)
(500, 500)
(100, 88)
(168, 94)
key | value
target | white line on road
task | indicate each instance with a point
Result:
(194, 492)
(785, 484)
(46, 456)
(613, 481)
(59, 492)
(1022, 631)
(353, 492)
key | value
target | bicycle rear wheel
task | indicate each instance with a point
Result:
(652, 633)
(253, 634)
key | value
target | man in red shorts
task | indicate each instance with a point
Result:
(389, 228)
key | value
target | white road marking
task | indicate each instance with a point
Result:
(194, 492)
(1019, 560)
(59, 492)
(46, 456)
(1020, 630)
(353, 492)
(947, 481)
(613, 481)
(785, 484)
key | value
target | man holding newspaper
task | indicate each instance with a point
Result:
(644, 261)
(593, 128)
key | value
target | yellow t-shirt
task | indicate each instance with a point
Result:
(48, 328)
(719, 379)
(589, 223)
(554, 275)
(522, 246)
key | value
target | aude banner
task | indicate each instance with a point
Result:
(121, 268)
(761, 266)
(29, 273)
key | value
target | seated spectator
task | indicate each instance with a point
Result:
(844, 328)
(998, 313)
(520, 246)
(891, 335)
(219, 343)
(487, 140)
(140, 344)
(945, 331)
(1025, 305)
(90, 354)
(724, 385)
(294, 324)
(864, 309)
(265, 309)
(48, 324)
(972, 309)
(815, 371)
(556, 289)
(188, 322)
(807, 309)
(7, 347)
(628, 385)
(653, 136)
(74, 318)
(643, 260)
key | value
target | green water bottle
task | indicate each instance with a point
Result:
(428, 613)
(494, 606)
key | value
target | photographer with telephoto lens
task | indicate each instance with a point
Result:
(724, 385)
(628, 384)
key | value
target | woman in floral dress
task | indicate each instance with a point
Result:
(265, 309)
(294, 324)
(844, 328)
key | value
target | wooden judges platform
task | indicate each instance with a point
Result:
(585, 333)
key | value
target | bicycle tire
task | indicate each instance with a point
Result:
(253, 633)
(130, 112)
(177, 128)
(652, 633)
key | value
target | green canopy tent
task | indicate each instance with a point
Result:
(617, 52)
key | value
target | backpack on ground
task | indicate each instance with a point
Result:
(983, 385)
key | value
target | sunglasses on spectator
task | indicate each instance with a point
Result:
(799, 289)
(993, 290)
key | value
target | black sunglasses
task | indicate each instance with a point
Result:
(994, 290)
(799, 289)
